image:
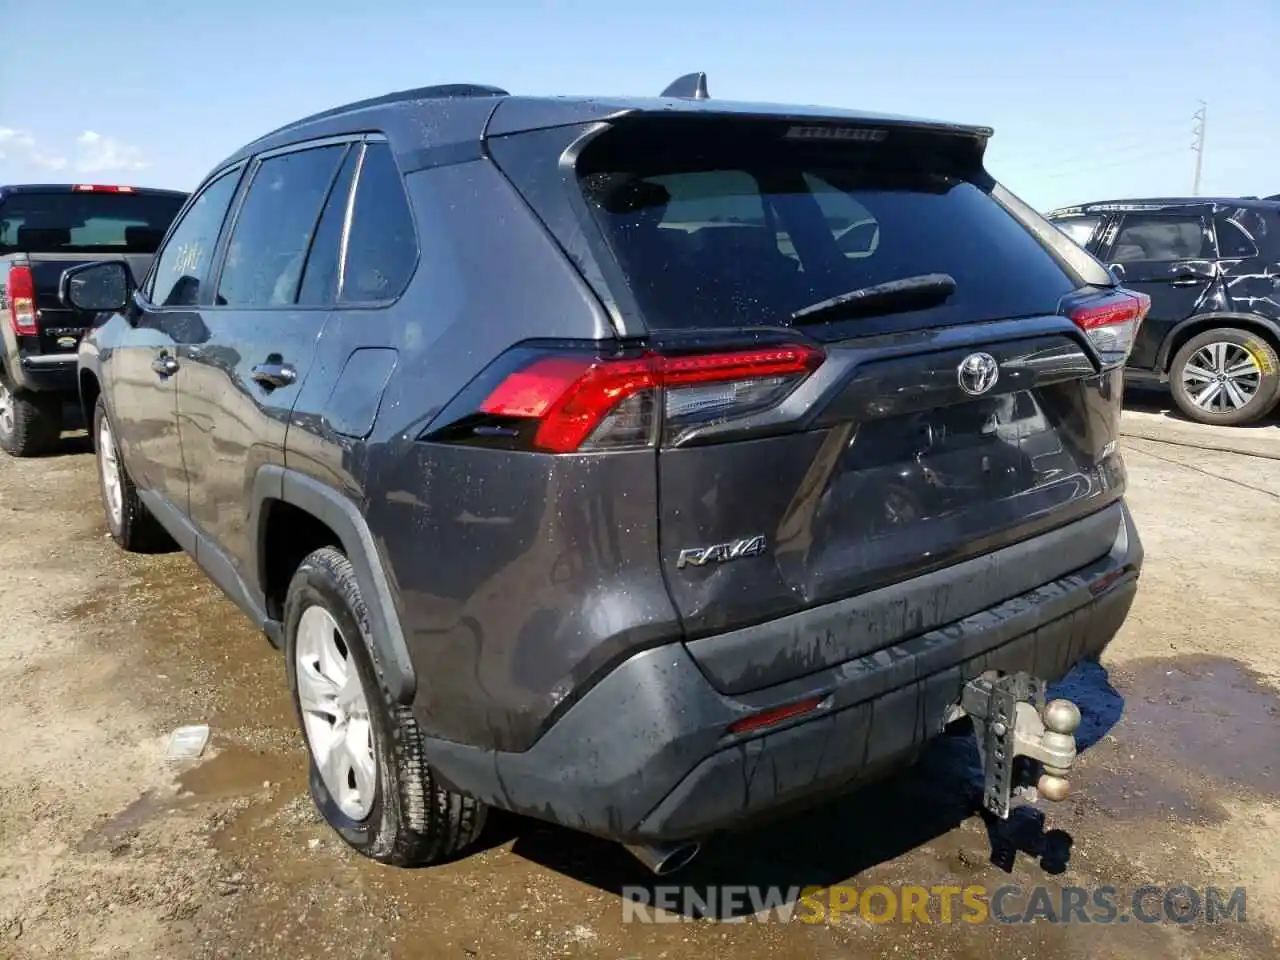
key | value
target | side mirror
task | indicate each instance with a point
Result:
(97, 287)
(1117, 271)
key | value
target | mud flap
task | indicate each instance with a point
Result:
(1012, 723)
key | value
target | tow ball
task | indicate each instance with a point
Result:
(1011, 719)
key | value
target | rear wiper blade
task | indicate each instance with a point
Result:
(909, 293)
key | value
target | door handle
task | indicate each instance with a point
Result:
(1188, 280)
(274, 374)
(165, 365)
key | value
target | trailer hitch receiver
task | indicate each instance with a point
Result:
(1011, 720)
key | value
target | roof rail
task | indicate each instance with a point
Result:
(440, 91)
(692, 86)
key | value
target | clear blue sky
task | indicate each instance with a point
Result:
(1089, 99)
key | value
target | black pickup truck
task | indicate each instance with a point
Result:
(44, 229)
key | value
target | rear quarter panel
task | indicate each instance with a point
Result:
(514, 576)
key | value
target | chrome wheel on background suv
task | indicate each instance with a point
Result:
(1226, 377)
(1222, 377)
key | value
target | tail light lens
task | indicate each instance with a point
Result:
(21, 292)
(563, 402)
(1111, 322)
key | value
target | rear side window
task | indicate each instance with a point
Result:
(182, 266)
(273, 230)
(382, 248)
(1234, 239)
(1162, 238)
(86, 222)
(1079, 229)
(715, 229)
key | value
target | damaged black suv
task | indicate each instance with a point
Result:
(587, 455)
(1211, 268)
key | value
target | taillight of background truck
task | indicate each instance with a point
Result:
(22, 301)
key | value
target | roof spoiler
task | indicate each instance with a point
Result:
(692, 86)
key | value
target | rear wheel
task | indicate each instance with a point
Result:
(369, 775)
(1226, 376)
(129, 522)
(30, 423)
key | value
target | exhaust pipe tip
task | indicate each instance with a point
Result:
(664, 859)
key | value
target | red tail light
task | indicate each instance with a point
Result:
(1111, 322)
(101, 188)
(589, 403)
(21, 291)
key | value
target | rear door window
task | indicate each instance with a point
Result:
(273, 230)
(711, 234)
(182, 266)
(86, 221)
(1162, 238)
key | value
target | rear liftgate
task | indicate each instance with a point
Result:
(1011, 720)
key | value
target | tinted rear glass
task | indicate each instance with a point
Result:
(720, 226)
(85, 222)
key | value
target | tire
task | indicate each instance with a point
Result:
(30, 423)
(129, 522)
(400, 814)
(1214, 352)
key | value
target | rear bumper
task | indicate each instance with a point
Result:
(645, 754)
(52, 373)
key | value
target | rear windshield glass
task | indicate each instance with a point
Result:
(85, 222)
(717, 226)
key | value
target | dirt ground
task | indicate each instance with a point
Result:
(107, 851)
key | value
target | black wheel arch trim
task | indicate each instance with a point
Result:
(1210, 320)
(390, 652)
(90, 363)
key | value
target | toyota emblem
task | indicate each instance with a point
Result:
(978, 373)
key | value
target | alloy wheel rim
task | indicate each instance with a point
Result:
(335, 713)
(6, 409)
(1221, 377)
(109, 465)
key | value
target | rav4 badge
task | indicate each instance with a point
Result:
(721, 552)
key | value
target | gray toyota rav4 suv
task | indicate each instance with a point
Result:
(647, 466)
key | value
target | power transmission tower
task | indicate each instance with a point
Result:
(1199, 116)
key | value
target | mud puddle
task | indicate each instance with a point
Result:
(193, 649)
(249, 778)
(1192, 729)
